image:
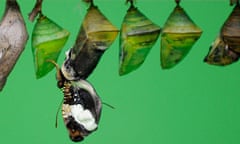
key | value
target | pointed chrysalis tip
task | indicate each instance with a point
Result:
(88, 1)
(130, 1)
(177, 2)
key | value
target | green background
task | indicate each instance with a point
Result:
(193, 103)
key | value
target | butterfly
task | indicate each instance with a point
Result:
(81, 107)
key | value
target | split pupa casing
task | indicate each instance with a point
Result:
(220, 54)
(13, 38)
(48, 39)
(138, 35)
(96, 34)
(178, 36)
(231, 30)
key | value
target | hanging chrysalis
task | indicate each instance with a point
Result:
(220, 54)
(138, 35)
(178, 36)
(48, 39)
(13, 38)
(230, 31)
(226, 49)
(96, 34)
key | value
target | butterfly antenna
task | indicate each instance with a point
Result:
(59, 107)
(58, 75)
(110, 106)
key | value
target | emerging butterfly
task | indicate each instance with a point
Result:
(81, 108)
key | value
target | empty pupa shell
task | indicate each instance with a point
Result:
(178, 36)
(231, 30)
(220, 54)
(96, 34)
(13, 38)
(48, 39)
(138, 35)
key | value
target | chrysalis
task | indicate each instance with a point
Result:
(48, 39)
(96, 34)
(231, 30)
(13, 37)
(138, 35)
(178, 36)
(220, 54)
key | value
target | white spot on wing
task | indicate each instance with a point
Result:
(84, 117)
